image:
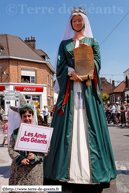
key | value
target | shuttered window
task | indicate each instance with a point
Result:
(27, 76)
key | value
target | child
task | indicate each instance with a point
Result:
(5, 129)
(26, 169)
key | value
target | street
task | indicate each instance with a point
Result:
(120, 144)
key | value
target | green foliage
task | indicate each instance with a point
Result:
(104, 97)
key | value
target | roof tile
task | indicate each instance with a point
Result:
(120, 87)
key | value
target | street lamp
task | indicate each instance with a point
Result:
(6, 74)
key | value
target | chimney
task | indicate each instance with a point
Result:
(31, 42)
(113, 82)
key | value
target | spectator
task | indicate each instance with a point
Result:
(128, 113)
(1, 113)
(40, 119)
(22, 80)
(53, 109)
(107, 110)
(113, 114)
(45, 113)
(51, 113)
(118, 112)
(38, 110)
(123, 110)
(5, 129)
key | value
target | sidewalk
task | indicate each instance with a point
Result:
(5, 162)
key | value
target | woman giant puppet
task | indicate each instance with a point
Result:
(80, 151)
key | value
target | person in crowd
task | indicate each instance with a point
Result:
(118, 113)
(45, 113)
(104, 106)
(40, 119)
(27, 81)
(107, 110)
(127, 114)
(125, 103)
(22, 80)
(123, 110)
(1, 113)
(26, 167)
(81, 151)
(113, 114)
(5, 129)
(38, 110)
(126, 106)
(53, 110)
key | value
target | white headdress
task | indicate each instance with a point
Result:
(68, 33)
(14, 118)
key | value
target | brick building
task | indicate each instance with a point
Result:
(118, 94)
(106, 87)
(25, 68)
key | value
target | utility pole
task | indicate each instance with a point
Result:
(110, 85)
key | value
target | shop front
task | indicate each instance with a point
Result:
(37, 93)
(31, 93)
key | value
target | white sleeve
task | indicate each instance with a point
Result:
(70, 70)
(47, 111)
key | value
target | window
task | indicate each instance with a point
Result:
(36, 98)
(32, 79)
(52, 101)
(113, 98)
(45, 57)
(27, 76)
(48, 78)
(27, 96)
(51, 83)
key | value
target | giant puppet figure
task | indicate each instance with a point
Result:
(80, 151)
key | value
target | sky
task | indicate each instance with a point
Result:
(46, 20)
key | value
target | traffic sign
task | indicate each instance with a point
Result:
(10, 98)
(11, 95)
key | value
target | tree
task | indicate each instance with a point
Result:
(104, 97)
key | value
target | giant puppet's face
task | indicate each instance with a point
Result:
(77, 22)
(27, 118)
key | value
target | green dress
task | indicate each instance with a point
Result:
(101, 161)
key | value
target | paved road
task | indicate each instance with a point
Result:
(120, 143)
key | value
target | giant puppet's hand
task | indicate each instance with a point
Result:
(75, 77)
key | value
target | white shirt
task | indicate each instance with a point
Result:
(113, 109)
(118, 109)
(45, 111)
